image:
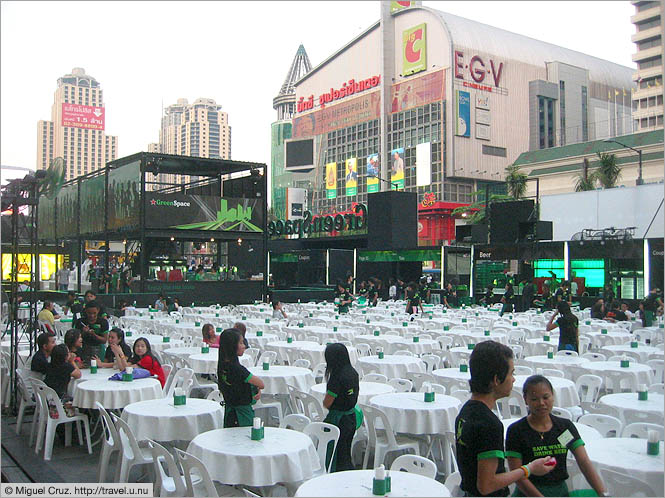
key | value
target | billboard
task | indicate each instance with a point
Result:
(414, 49)
(203, 212)
(46, 218)
(331, 180)
(373, 171)
(124, 196)
(296, 203)
(68, 212)
(92, 205)
(82, 116)
(397, 171)
(423, 164)
(462, 113)
(351, 176)
(418, 91)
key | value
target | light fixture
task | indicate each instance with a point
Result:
(172, 239)
(463, 215)
(212, 239)
(239, 241)
(124, 241)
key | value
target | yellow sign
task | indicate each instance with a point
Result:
(351, 176)
(414, 49)
(331, 180)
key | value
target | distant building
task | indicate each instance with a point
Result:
(648, 97)
(76, 131)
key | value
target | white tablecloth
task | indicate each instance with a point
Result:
(494, 336)
(642, 373)
(185, 351)
(392, 366)
(156, 341)
(367, 390)
(643, 351)
(443, 376)
(621, 401)
(86, 374)
(206, 363)
(359, 483)
(260, 342)
(231, 457)
(160, 420)
(538, 346)
(115, 394)
(409, 413)
(326, 334)
(565, 392)
(277, 378)
(627, 456)
(587, 433)
(558, 362)
(281, 347)
(615, 337)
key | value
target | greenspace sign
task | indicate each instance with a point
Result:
(311, 224)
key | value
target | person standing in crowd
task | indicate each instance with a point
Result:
(90, 296)
(160, 302)
(488, 297)
(372, 293)
(209, 336)
(277, 310)
(568, 323)
(598, 310)
(425, 289)
(114, 281)
(42, 358)
(63, 278)
(413, 300)
(94, 330)
(392, 289)
(48, 314)
(345, 299)
(73, 304)
(573, 285)
(507, 299)
(479, 432)
(539, 429)
(608, 293)
(349, 283)
(528, 294)
(61, 370)
(651, 306)
(118, 349)
(142, 357)
(342, 390)
(236, 382)
(449, 296)
(562, 294)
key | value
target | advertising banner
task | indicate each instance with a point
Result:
(46, 218)
(414, 49)
(296, 199)
(203, 212)
(124, 196)
(373, 171)
(423, 164)
(397, 171)
(351, 176)
(68, 211)
(82, 116)
(396, 6)
(348, 113)
(331, 180)
(92, 205)
(462, 113)
(418, 91)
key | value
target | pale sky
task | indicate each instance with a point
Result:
(145, 54)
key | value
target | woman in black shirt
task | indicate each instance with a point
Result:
(116, 338)
(568, 327)
(235, 381)
(541, 434)
(341, 398)
(60, 371)
(507, 299)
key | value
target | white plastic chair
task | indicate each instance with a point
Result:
(523, 370)
(322, 434)
(605, 424)
(168, 370)
(401, 385)
(110, 444)
(47, 423)
(436, 388)
(215, 395)
(453, 482)
(417, 378)
(588, 387)
(432, 362)
(170, 482)
(385, 441)
(364, 349)
(618, 381)
(182, 378)
(595, 356)
(319, 372)
(253, 353)
(301, 363)
(514, 399)
(641, 430)
(657, 368)
(404, 352)
(632, 415)
(375, 377)
(415, 464)
(306, 404)
(460, 394)
(132, 453)
(553, 372)
(658, 388)
(624, 485)
(26, 391)
(195, 473)
(566, 352)
(562, 412)
(267, 357)
(295, 421)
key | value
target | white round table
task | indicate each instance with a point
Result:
(627, 456)
(260, 342)
(642, 373)
(587, 433)
(206, 363)
(643, 351)
(184, 351)
(538, 346)
(277, 378)
(282, 347)
(558, 362)
(444, 376)
(391, 366)
(618, 336)
(161, 420)
(480, 336)
(359, 483)
(326, 334)
(409, 413)
(156, 341)
(366, 391)
(317, 353)
(231, 457)
(621, 401)
(565, 391)
(423, 346)
(114, 394)
(86, 374)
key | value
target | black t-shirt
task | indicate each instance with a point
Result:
(651, 302)
(478, 435)
(344, 387)
(57, 378)
(39, 362)
(344, 296)
(103, 329)
(109, 356)
(568, 330)
(508, 295)
(371, 293)
(522, 441)
(597, 311)
(233, 382)
(618, 315)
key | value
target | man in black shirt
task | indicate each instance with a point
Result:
(615, 314)
(528, 293)
(41, 359)
(73, 304)
(479, 432)
(372, 294)
(94, 330)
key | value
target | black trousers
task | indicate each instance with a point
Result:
(347, 429)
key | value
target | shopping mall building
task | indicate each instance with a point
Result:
(452, 101)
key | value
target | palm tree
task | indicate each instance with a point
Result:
(515, 182)
(609, 172)
(585, 180)
(474, 213)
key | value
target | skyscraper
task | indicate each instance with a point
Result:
(648, 98)
(76, 129)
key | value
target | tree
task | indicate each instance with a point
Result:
(474, 213)
(609, 172)
(585, 180)
(515, 182)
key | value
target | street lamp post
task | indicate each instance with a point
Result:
(639, 180)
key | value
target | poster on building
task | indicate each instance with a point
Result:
(124, 196)
(397, 169)
(418, 91)
(414, 49)
(396, 6)
(92, 205)
(82, 116)
(482, 116)
(373, 171)
(67, 211)
(348, 113)
(331, 180)
(423, 164)
(351, 178)
(46, 218)
(482, 132)
(462, 113)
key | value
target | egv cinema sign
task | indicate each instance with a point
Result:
(481, 73)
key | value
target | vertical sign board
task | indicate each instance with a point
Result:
(414, 50)
(423, 164)
(331, 180)
(483, 117)
(295, 203)
(462, 113)
(373, 170)
(397, 171)
(351, 178)
(396, 6)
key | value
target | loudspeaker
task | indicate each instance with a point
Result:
(505, 218)
(476, 234)
(536, 230)
(392, 220)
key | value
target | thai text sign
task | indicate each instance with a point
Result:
(83, 116)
